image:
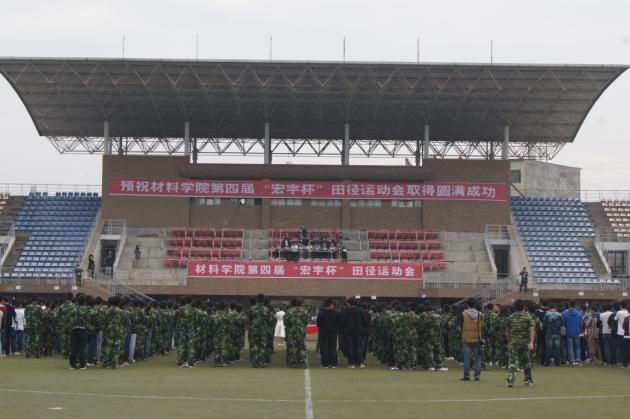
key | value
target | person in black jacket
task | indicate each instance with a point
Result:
(354, 324)
(328, 322)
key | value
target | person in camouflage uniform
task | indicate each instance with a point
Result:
(140, 319)
(47, 332)
(502, 341)
(406, 338)
(240, 326)
(521, 334)
(112, 321)
(258, 332)
(433, 350)
(185, 332)
(454, 332)
(394, 320)
(271, 327)
(491, 333)
(220, 336)
(33, 316)
(78, 318)
(63, 325)
(378, 333)
(201, 331)
(163, 329)
(295, 322)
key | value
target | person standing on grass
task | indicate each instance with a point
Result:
(553, 324)
(607, 334)
(521, 334)
(621, 347)
(354, 325)
(472, 337)
(573, 324)
(258, 315)
(328, 322)
(79, 318)
(295, 323)
(33, 315)
(279, 331)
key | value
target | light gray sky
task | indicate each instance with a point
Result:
(532, 31)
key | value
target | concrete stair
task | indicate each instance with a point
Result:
(21, 237)
(466, 254)
(599, 217)
(593, 256)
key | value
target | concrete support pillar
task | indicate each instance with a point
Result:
(195, 151)
(505, 147)
(267, 152)
(187, 139)
(107, 141)
(345, 147)
(425, 143)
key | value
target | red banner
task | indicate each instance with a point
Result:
(282, 269)
(309, 190)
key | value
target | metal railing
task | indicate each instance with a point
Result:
(23, 189)
(8, 276)
(113, 286)
(608, 234)
(6, 240)
(585, 195)
(497, 232)
(114, 227)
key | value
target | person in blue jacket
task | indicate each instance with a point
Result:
(573, 324)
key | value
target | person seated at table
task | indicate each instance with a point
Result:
(285, 243)
(333, 250)
(307, 251)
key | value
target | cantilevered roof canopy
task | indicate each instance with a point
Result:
(306, 100)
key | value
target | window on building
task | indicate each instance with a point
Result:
(406, 203)
(516, 176)
(239, 201)
(286, 202)
(206, 201)
(325, 202)
(365, 203)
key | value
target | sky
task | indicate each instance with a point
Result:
(532, 31)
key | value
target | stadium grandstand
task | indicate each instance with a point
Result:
(477, 201)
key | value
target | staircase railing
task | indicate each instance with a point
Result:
(115, 287)
(7, 242)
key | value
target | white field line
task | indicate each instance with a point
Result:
(261, 400)
(308, 394)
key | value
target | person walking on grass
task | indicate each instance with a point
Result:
(521, 334)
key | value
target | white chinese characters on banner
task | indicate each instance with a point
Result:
(275, 269)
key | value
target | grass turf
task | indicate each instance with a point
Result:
(42, 388)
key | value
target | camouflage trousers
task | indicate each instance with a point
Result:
(185, 348)
(430, 354)
(111, 350)
(491, 351)
(519, 357)
(405, 354)
(32, 345)
(258, 350)
(221, 351)
(296, 352)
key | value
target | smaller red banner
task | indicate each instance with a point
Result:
(282, 269)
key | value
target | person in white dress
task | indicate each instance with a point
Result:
(279, 332)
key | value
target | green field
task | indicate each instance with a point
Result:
(46, 388)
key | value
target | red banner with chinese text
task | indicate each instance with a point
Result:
(309, 190)
(283, 269)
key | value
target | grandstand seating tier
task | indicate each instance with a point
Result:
(551, 229)
(59, 228)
